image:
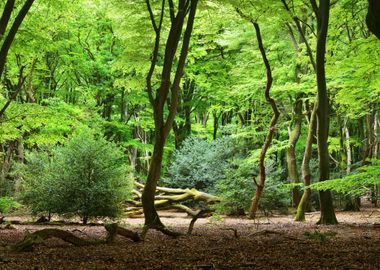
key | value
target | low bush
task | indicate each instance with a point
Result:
(87, 177)
(238, 188)
(199, 164)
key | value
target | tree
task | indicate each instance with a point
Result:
(159, 98)
(323, 110)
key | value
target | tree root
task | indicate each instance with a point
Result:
(38, 237)
(114, 229)
(32, 239)
(199, 214)
(264, 232)
(159, 228)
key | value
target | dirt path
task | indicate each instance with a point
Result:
(273, 243)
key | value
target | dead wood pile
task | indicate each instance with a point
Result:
(172, 198)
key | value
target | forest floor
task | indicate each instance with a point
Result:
(275, 242)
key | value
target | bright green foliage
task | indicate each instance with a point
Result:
(199, 164)
(47, 124)
(87, 177)
(357, 183)
(237, 188)
(8, 204)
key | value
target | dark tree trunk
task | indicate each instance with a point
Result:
(158, 99)
(373, 17)
(323, 110)
(183, 129)
(4, 20)
(151, 217)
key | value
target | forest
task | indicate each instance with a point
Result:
(189, 134)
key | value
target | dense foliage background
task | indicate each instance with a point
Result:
(81, 65)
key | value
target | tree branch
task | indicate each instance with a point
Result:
(12, 33)
(157, 30)
(180, 67)
(6, 16)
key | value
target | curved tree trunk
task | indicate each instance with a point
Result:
(268, 140)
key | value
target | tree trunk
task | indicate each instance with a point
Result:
(373, 17)
(306, 174)
(268, 140)
(291, 152)
(159, 98)
(326, 203)
(152, 219)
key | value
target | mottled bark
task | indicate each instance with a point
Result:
(291, 160)
(306, 174)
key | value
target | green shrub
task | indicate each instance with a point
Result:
(8, 204)
(199, 164)
(237, 188)
(87, 177)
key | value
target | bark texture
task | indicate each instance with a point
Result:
(323, 111)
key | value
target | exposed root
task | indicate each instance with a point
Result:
(114, 229)
(160, 228)
(32, 239)
(264, 232)
(38, 237)
(199, 214)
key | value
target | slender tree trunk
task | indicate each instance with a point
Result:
(323, 111)
(352, 204)
(268, 140)
(306, 174)
(291, 152)
(216, 117)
